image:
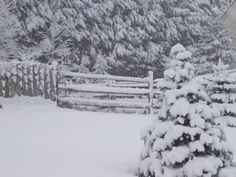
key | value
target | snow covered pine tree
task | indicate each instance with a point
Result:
(222, 90)
(120, 37)
(183, 141)
(173, 78)
(9, 29)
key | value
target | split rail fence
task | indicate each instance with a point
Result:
(77, 90)
(106, 91)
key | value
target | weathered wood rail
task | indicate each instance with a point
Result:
(73, 90)
(108, 91)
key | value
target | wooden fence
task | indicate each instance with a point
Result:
(28, 79)
(72, 90)
(106, 91)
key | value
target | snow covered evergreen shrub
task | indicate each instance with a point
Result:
(178, 71)
(222, 91)
(183, 141)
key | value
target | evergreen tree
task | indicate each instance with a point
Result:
(183, 141)
(222, 90)
(177, 73)
(9, 29)
(131, 36)
(215, 44)
(44, 38)
(220, 6)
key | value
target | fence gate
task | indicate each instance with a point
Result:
(83, 91)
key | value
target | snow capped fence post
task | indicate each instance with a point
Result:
(151, 93)
(41, 80)
(1, 84)
(46, 84)
(29, 81)
(18, 80)
(57, 77)
(34, 84)
(51, 86)
(53, 81)
(24, 81)
(12, 90)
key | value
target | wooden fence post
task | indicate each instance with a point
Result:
(40, 79)
(53, 81)
(151, 92)
(56, 81)
(1, 85)
(29, 81)
(11, 84)
(6, 94)
(109, 85)
(51, 86)
(24, 81)
(18, 79)
(57, 86)
(34, 81)
(46, 82)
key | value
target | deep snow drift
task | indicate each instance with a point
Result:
(37, 139)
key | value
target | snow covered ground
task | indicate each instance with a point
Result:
(37, 139)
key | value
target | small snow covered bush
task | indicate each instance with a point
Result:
(179, 71)
(184, 141)
(222, 91)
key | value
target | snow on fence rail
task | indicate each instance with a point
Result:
(77, 89)
(28, 79)
(110, 90)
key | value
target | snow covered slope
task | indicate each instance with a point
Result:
(37, 139)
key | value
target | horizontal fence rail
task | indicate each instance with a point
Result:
(105, 89)
(104, 77)
(109, 91)
(73, 89)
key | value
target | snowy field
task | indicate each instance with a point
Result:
(37, 139)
